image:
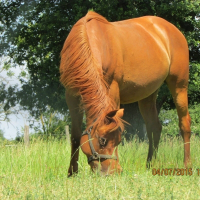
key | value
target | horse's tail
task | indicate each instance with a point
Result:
(79, 69)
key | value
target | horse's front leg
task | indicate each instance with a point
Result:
(76, 119)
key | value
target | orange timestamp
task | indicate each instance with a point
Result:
(174, 172)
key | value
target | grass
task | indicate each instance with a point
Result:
(40, 172)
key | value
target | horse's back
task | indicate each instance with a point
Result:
(151, 32)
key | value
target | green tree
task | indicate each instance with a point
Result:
(8, 95)
(33, 32)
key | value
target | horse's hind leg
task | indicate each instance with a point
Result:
(76, 118)
(178, 90)
(150, 115)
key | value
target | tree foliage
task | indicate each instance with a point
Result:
(8, 95)
(33, 33)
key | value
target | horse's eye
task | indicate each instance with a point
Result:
(102, 141)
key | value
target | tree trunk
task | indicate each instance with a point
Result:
(134, 118)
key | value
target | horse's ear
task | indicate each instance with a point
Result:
(111, 121)
(120, 113)
(117, 113)
(109, 118)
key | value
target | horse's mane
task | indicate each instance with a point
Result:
(82, 72)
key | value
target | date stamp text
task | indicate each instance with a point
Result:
(174, 172)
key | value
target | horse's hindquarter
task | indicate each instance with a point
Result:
(145, 57)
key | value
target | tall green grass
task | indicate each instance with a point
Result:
(40, 172)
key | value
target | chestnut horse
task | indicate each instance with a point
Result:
(106, 63)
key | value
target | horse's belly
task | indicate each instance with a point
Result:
(137, 86)
(133, 93)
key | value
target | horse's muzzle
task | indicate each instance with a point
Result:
(103, 170)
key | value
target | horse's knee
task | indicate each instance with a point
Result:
(75, 142)
(75, 134)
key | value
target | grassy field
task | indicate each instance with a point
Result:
(40, 172)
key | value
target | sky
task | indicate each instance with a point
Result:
(11, 128)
